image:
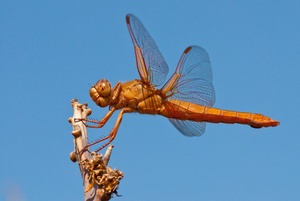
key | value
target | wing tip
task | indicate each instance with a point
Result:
(187, 49)
(128, 18)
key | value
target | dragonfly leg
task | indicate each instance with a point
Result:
(102, 122)
(115, 129)
(96, 142)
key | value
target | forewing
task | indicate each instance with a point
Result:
(150, 63)
(193, 85)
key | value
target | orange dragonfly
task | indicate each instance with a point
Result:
(186, 98)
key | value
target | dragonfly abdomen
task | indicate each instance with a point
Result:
(189, 111)
(215, 115)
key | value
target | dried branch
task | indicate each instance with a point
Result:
(100, 181)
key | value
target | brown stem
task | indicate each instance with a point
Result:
(99, 180)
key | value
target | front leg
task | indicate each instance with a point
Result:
(103, 121)
(113, 132)
(115, 129)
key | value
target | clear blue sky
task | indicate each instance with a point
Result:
(52, 51)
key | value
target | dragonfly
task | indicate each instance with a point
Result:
(186, 98)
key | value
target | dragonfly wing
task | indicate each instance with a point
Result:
(150, 63)
(193, 83)
(189, 128)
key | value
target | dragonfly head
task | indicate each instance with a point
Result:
(100, 93)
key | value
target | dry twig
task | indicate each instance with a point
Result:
(100, 181)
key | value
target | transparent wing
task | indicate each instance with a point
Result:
(189, 128)
(150, 63)
(192, 82)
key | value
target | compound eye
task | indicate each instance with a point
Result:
(103, 88)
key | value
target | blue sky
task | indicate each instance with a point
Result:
(53, 51)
